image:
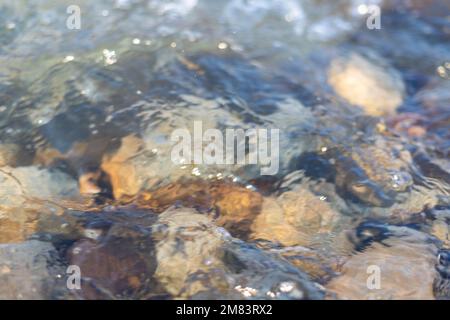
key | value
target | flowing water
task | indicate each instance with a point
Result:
(359, 207)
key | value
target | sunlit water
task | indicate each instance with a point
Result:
(86, 177)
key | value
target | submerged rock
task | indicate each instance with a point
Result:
(101, 108)
(428, 8)
(117, 265)
(17, 224)
(402, 258)
(89, 182)
(187, 244)
(25, 193)
(30, 271)
(235, 206)
(366, 164)
(197, 259)
(374, 174)
(124, 179)
(318, 267)
(33, 182)
(370, 84)
(442, 281)
(9, 154)
(179, 253)
(272, 225)
(435, 118)
(293, 218)
(441, 230)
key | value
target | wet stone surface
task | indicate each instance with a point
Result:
(31, 270)
(442, 282)
(87, 176)
(387, 248)
(128, 254)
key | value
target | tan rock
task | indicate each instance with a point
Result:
(10, 231)
(420, 198)
(17, 224)
(293, 218)
(199, 252)
(271, 224)
(11, 193)
(406, 272)
(306, 211)
(441, 230)
(198, 260)
(26, 192)
(374, 86)
(381, 160)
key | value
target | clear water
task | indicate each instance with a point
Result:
(86, 178)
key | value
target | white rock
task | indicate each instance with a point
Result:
(370, 84)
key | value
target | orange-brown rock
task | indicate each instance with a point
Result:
(188, 193)
(83, 159)
(123, 178)
(381, 159)
(236, 205)
(88, 183)
(191, 65)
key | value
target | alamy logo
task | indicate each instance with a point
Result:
(374, 19)
(73, 21)
(374, 278)
(251, 146)
(74, 278)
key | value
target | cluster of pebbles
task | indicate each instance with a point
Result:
(362, 184)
